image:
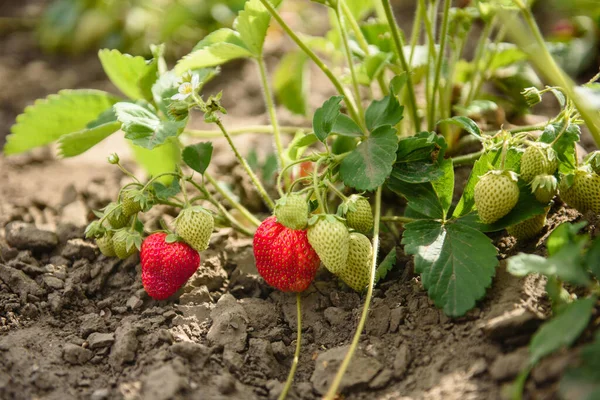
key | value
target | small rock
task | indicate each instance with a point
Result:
(134, 302)
(478, 367)
(125, 346)
(260, 356)
(91, 323)
(100, 394)
(397, 316)
(225, 384)
(163, 383)
(402, 360)
(198, 295)
(195, 352)
(262, 315)
(98, 340)
(360, 372)
(429, 316)
(229, 324)
(75, 213)
(507, 366)
(280, 351)
(379, 320)
(53, 282)
(26, 236)
(336, 316)
(79, 248)
(74, 354)
(19, 283)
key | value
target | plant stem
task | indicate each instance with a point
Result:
(262, 68)
(360, 38)
(314, 57)
(316, 183)
(236, 204)
(438, 65)
(332, 392)
(399, 219)
(336, 190)
(416, 32)
(290, 378)
(548, 67)
(268, 129)
(430, 39)
(479, 53)
(290, 165)
(259, 186)
(467, 159)
(170, 203)
(404, 64)
(344, 35)
(126, 172)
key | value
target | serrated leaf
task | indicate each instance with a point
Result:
(417, 171)
(562, 330)
(481, 166)
(386, 111)
(466, 123)
(143, 127)
(325, 117)
(369, 165)
(76, 143)
(252, 24)
(422, 198)
(163, 192)
(291, 82)
(444, 186)
(456, 263)
(58, 114)
(197, 156)
(217, 48)
(421, 147)
(164, 158)
(345, 126)
(126, 72)
(386, 265)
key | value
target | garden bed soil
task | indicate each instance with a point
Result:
(77, 325)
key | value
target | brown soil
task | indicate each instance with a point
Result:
(77, 325)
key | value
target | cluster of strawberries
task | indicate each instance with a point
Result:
(289, 246)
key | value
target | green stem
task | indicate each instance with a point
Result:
(332, 392)
(467, 159)
(184, 191)
(430, 36)
(268, 129)
(488, 64)
(316, 183)
(403, 62)
(284, 170)
(271, 109)
(236, 204)
(416, 32)
(360, 37)
(479, 53)
(334, 80)
(259, 186)
(154, 178)
(336, 190)
(398, 219)
(170, 203)
(290, 378)
(438, 65)
(348, 53)
(126, 172)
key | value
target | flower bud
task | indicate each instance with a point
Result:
(532, 96)
(113, 158)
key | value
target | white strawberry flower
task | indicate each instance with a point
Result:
(186, 89)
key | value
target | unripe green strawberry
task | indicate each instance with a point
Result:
(496, 194)
(195, 225)
(129, 205)
(581, 190)
(105, 244)
(126, 243)
(359, 215)
(116, 218)
(357, 272)
(330, 238)
(291, 211)
(544, 187)
(538, 159)
(529, 228)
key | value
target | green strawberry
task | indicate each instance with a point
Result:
(357, 272)
(126, 243)
(116, 218)
(195, 225)
(538, 159)
(105, 244)
(359, 215)
(544, 187)
(581, 190)
(129, 203)
(291, 211)
(330, 238)
(529, 228)
(496, 194)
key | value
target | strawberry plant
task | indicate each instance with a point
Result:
(374, 136)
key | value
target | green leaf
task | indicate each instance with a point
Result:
(562, 330)
(291, 82)
(161, 159)
(369, 165)
(422, 197)
(424, 146)
(592, 258)
(444, 186)
(252, 24)
(58, 114)
(490, 159)
(345, 126)
(325, 117)
(386, 111)
(126, 72)
(466, 123)
(359, 8)
(164, 192)
(456, 263)
(386, 265)
(563, 234)
(217, 48)
(372, 66)
(417, 172)
(197, 156)
(397, 83)
(76, 143)
(143, 127)
(565, 145)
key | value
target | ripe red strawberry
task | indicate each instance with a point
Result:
(166, 266)
(284, 258)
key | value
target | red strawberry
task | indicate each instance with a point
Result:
(166, 266)
(284, 258)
